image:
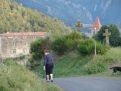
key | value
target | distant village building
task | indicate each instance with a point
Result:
(96, 26)
(14, 44)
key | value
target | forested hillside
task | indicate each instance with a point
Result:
(15, 17)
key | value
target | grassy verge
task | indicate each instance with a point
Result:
(73, 64)
(14, 77)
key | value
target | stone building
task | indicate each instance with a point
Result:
(14, 44)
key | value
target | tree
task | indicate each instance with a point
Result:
(115, 35)
(114, 38)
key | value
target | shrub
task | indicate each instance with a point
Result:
(38, 46)
(72, 40)
(14, 77)
(74, 36)
(59, 46)
(101, 48)
(96, 66)
(35, 50)
(66, 43)
(70, 44)
(87, 47)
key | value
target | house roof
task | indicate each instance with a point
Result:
(24, 34)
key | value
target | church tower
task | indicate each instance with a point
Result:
(96, 25)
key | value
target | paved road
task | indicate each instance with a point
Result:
(89, 84)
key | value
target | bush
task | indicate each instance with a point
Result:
(14, 77)
(72, 40)
(37, 48)
(59, 46)
(36, 51)
(66, 43)
(70, 44)
(74, 36)
(96, 66)
(101, 48)
(87, 46)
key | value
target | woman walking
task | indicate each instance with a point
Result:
(48, 65)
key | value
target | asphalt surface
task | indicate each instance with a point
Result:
(89, 83)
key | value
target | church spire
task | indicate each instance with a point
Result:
(97, 25)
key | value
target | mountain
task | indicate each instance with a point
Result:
(71, 11)
(16, 18)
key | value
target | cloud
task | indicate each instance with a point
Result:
(87, 13)
(95, 8)
(106, 4)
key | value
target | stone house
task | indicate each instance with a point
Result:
(14, 44)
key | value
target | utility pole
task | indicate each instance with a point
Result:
(95, 42)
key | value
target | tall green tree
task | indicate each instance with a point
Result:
(114, 38)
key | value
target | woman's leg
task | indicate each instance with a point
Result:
(47, 78)
(51, 77)
(47, 72)
(51, 72)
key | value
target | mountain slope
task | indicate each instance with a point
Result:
(84, 10)
(15, 17)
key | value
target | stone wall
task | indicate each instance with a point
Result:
(15, 46)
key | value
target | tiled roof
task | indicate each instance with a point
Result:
(24, 33)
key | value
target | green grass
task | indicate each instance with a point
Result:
(73, 64)
(14, 77)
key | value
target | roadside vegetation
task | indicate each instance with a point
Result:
(72, 64)
(14, 77)
(74, 53)
(74, 56)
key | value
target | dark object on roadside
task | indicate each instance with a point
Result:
(116, 68)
